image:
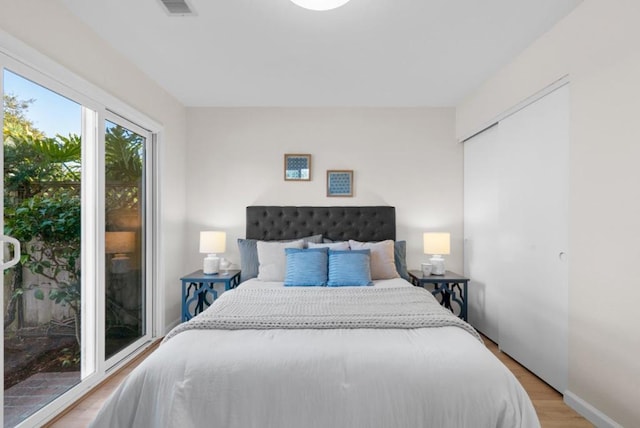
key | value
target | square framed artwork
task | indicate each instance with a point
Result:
(297, 167)
(340, 183)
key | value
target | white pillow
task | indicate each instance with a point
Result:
(335, 246)
(272, 260)
(383, 263)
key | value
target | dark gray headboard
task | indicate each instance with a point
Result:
(336, 223)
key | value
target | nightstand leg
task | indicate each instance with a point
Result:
(464, 302)
(184, 301)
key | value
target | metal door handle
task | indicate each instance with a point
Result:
(16, 251)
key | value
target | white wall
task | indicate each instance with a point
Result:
(598, 46)
(48, 27)
(407, 158)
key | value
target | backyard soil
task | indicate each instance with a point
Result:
(26, 356)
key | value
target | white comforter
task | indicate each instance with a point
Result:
(426, 377)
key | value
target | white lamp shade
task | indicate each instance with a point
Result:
(320, 4)
(120, 242)
(213, 242)
(437, 243)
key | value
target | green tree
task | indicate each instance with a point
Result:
(15, 120)
(123, 155)
(42, 206)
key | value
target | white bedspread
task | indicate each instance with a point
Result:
(396, 378)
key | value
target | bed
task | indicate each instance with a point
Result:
(268, 355)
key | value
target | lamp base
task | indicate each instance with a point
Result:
(210, 264)
(437, 263)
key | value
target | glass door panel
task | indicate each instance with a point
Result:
(125, 235)
(42, 208)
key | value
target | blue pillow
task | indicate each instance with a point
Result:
(400, 256)
(349, 268)
(248, 249)
(306, 267)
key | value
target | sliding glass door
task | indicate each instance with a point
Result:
(42, 172)
(126, 152)
(76, 194)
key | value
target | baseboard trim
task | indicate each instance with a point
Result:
(589, 412)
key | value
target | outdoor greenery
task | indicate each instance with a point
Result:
(42, 207)
(42, 202)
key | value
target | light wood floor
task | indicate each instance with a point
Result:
(85, 410)
(552, 411)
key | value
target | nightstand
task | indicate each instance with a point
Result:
(198, 292)
(445, 286)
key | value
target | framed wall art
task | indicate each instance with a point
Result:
(340, 183)
(297, 167)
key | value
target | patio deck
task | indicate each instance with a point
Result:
(30, 395)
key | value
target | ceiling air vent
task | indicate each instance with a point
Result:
(177, 7)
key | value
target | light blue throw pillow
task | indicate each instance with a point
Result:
(349, 268)
(306, 267)
(399, 253)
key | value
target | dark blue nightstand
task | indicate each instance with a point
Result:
(198, 292)
(445, 286)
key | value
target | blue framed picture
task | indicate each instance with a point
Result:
(297, 167)
(340, 183)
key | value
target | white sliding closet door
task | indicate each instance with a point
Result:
(481, 202)
(534, 217)
(516, 234)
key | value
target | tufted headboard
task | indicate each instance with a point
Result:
(336, 223)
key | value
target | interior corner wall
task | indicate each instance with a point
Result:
(404, 157)
(598, 47)
(48, 27)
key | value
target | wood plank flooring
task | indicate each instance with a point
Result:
(552, 411)
(81, 413)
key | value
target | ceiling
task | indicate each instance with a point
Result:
(391, 53)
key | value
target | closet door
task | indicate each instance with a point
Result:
(481, 202)
(533, 240)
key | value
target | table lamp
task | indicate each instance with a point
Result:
(212, 242)
(120, 244)
(437, 244)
